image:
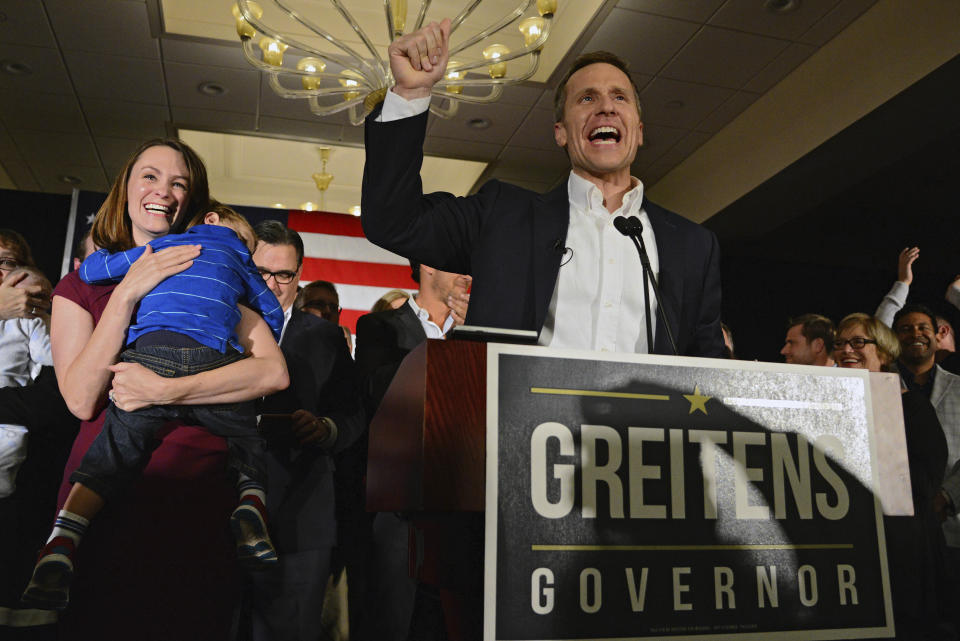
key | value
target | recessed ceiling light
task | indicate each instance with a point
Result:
(674, 104)
(355, 210)
(211, 89)
(781, 6)
(478, 123)
(278, 206)
(70, 180)
(15, 68)
(308, 206)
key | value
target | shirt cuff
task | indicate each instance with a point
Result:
(396, 107)
(331, 439)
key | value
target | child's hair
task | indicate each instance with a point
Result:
(228, 217)
(36, 276)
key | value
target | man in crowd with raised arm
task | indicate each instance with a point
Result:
(513, 241)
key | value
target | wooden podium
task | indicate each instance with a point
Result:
(427, 441)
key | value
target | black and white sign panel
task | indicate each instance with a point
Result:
(638, 497)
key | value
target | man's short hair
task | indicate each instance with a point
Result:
(814, 326)
(320, 284)
(915, 308)
(273, 232)
(585, 60)
(415, 271)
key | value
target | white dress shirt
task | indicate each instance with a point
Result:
(431, 329)
(598, 302)
(24, 349)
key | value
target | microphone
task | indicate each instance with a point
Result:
(632, 228)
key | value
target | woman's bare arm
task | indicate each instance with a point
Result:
(263, 373)
(82, 352)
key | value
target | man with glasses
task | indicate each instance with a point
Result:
(318, 416)
(321, 299)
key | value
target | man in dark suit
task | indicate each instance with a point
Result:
(318, 416)
(551, 262)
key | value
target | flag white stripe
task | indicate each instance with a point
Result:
(347, 248)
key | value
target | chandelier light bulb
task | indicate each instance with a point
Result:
(312, 65)
(495, 52)
(547, 7)
(272, 51)
(453, 74)
(532, 29)
(350, 78)
(244, 29)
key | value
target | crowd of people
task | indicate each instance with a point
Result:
(183, 389)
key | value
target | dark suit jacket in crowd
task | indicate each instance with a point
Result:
(383, 341)
(511, 241)
(323, 381)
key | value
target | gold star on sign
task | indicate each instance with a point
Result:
(697, 400)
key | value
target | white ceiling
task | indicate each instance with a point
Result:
(103, 75)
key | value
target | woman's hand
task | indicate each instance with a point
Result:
(136, 387)
(32, 301)
(152, 268)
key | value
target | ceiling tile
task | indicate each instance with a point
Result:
(727, 111)
(301, 129)
(351, 135)
(537, 187)
(47, 72)
(655, 172)
(8, 149)
(211, 120)
(532, 164)
(92, 178)
(103, 26)
(680, 104)
(212, 54)
(43, 112)
(20, 174)
(125, 119)
(836, 21)
(503, 118)
(40, 148)
(646, 41)
(780, 67)
(751, 16)
(463, 149)
(116, 151)
(99, 76)
(25, 23)
(520, 95)
(536, 131)
(695, 10)
(686, 146)
(183, 82)
(656, 142)
(743, 56)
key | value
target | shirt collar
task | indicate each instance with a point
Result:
(424, 315)
(586, 196)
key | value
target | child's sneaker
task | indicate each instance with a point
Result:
(254, 549)
(49, 587)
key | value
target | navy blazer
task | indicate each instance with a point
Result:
(323, 381)
(511, 241)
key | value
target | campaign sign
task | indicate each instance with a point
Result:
(638, 497)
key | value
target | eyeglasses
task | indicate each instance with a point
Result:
(857, 342)
(8, 264)
(283, 277)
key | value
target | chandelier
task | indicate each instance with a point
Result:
(358, 81)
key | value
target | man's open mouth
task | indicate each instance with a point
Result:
(605, 135)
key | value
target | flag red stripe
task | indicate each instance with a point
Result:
(322, 222)
(348, 272)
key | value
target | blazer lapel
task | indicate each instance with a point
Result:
(411, 331)
(670, 278)
(551, 219)
(940, 386)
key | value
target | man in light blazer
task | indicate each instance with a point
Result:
(554, 262)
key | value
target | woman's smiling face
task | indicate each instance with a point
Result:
(157, 189)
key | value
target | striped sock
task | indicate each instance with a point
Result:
(69, 525)
(248, 489)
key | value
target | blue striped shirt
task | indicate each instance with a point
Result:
(201, 301)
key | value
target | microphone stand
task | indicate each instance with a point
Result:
(633, 228)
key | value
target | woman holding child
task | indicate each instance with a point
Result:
(159, 562)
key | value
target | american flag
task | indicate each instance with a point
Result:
(335, 250)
